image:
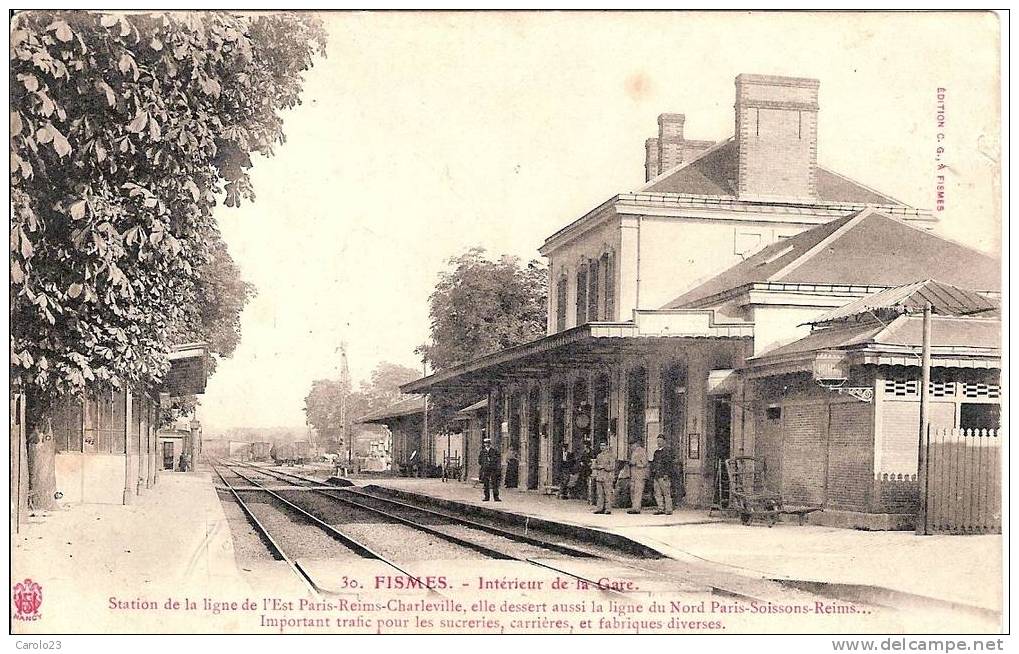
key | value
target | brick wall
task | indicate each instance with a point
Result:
(850, 456)
(776, 133)
(803, 453)
(896, 493)
(818, 446)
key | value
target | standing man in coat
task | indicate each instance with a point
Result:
(638, 475)
(604, 471)
(661, 477)
(488, 461)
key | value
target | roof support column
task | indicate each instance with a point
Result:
(653, 409)
(545, 445)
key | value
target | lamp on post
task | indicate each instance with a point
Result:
(195, 446)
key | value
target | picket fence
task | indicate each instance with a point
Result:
(963, 481)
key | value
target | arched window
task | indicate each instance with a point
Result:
(593, 309)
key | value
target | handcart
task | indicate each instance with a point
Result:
(750, 498)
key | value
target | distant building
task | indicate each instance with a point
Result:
(176, 439)
(410, 451)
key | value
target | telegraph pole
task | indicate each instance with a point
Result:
(925, 383)
(424, 425)
(345, 387)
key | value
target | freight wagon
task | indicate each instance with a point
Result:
(260, 451)
(302, 452)
(240, 450)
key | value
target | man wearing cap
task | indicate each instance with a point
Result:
(488, 461)
(661, 477)
(638, 475)
(604, 469)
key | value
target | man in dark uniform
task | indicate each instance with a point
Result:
(584, 483)
(661, 477)
(489, 463)
(567, 473)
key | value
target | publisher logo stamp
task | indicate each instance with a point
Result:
(27, 600)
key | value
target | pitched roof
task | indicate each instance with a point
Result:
(945, 300)
(867, 248)
(406, 407)
(713, 172)
(468, 411)
(903, 331)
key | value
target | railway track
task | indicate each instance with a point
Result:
(479, 539)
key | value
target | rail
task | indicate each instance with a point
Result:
(456, 520)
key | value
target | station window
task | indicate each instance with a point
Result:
(610, 290)
(773, 413)
(979, 416)
(560, 305)
(592, 294)
(582, 296)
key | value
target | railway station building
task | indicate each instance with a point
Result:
(107, 448)
(664, 303)
(405, 421)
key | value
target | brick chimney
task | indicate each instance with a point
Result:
(776, 136)
(651, 167)
(670, 140)
(671, 148)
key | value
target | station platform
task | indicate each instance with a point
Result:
(964, 570)
(172, 543)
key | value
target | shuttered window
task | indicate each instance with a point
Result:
(607, 265)
(560, 305)
(582, 295)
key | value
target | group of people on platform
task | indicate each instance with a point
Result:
(635, 473)
(599, 478)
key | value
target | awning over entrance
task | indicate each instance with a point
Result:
(589, 344)
(956, 342)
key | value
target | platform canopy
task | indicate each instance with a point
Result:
(189, 370)
(408, 406)
(590, 344)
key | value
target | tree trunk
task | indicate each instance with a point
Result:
(42, 479)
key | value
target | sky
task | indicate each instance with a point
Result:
(422, 135)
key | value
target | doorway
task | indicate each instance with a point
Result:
(581, 416)
(558, 429)
(168, 455)
(636, 404)
(720, 413)
(513, 451)
(602, 391)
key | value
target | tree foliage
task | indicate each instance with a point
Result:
(126, 131)
(323, 406)
(481, 306)
(383, 388)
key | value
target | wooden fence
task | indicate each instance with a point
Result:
(963, 482)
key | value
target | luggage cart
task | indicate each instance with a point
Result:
(750, 498)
